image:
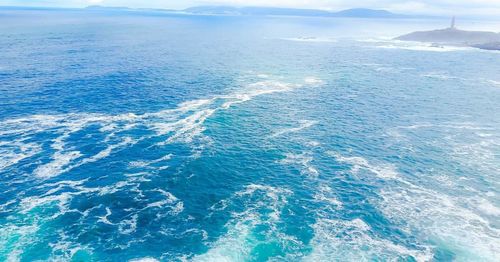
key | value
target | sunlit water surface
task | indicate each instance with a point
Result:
(171, 137)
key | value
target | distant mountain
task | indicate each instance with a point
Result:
(275, 11)
(120, 8)
(253, 11)
(107, 8)
(368, 13)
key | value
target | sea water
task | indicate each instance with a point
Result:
(153, 137)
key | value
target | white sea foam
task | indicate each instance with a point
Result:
(427, 213)
(176, 205)
(352, 240)
(128, 226)
(488, 208)
(61, 160)
(239, 241)
(449, 209)
(438, 75)
(312, 143)
(494, 82)
(303, 124)
(325, 194)
(183, 124)
(149, 163)
(313, 81)
(14, 238)
(310, 39)
(104, 219)
(385, 171)
(30, 203)
(418, 46)
(64, 249)
(263, 76)
(144, 259)
(56, 166)
(443, 219)
(13, 152)
(303, 161)
(428, 48)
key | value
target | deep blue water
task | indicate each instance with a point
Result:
(127, 137)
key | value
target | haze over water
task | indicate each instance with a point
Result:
(206, 138)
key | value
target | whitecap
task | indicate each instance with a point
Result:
(183, 124)
(352, 240)
(128, 226)
(310, 39)
(303, 124)
(56, 166)
(313, 81)
(144, 259)
(312, 143)
(325, 194)
(441, 218)
(239, 241)
(385, 171)
(419, 46)
(494, 82)
(14, 152)
(303, 161)
(104, 219)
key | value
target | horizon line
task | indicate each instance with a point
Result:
(237, 6)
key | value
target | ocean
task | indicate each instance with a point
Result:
(153, 137)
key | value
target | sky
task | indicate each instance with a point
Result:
(434, 7)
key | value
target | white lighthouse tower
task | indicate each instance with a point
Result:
(452, 26)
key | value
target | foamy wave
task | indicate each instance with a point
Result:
(310, 39)
(443, 219)
(242, 236)
(353, 240)
(104, 219)
(303, 124)
(59, 161)
(497, 83)
(312, 143)
(325, 194)
(170, 200)
(416, 46)
(463, 225)
(303, 161)
(427, 48)
(183, 124)
(456, 213)
(14, 238)
(438, 75)
(144, 259)
(14, 152)
(385, 171)
(128, 226)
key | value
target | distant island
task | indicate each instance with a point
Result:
(456, 37)
(241, 11)
(268, 11)
(274, 11)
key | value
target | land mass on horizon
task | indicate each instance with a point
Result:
(271, 11)
(454, 36)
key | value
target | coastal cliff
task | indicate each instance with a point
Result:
(454, 36)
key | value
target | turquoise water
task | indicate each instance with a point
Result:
(170, 138)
